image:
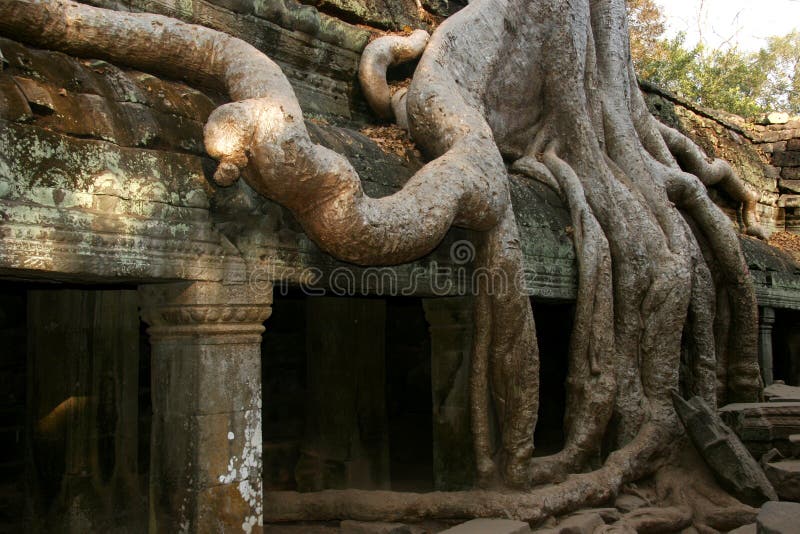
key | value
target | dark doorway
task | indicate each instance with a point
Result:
(786, 347)
(13, 340)
(553, 329)
(321, 376)
(408, 395)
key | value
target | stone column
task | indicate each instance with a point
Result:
(450, 321)
(205, 467)
(766, 321)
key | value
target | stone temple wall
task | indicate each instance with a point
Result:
(779, 139)
(765, 156)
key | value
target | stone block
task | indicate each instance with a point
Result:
(786, 159)
(763, 426)
(771, 172)
(782, 393)
(778, 146)
(790, 185)
(775, 117)
(172, 98)
(785, 478)
(752, 528)
(36, 93)
(365, 527)
(793, 144)
(13, 105)
(790, 173)
(779, 518)
(772, 136)
(232, 507)
(220, 382)
(493, 526)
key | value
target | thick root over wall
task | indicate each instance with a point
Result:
(549, 86)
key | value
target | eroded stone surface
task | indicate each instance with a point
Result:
(785, 478)
(495, 526)
(778, 518)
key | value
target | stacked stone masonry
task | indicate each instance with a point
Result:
(781, 143)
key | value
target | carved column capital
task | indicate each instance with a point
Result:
(766, 317)
(207, 312)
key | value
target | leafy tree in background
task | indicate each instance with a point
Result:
(646, 25)
(781, 58)
(726, 79)
(723, 78)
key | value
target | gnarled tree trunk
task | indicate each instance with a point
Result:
(549, 86)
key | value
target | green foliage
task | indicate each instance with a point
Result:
(781, 58)
(727, 79)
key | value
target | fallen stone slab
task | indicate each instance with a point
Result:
(782, 392)
(779, 518)
(730, 462)
(490, 526)
(785, 478)
(752, 528)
